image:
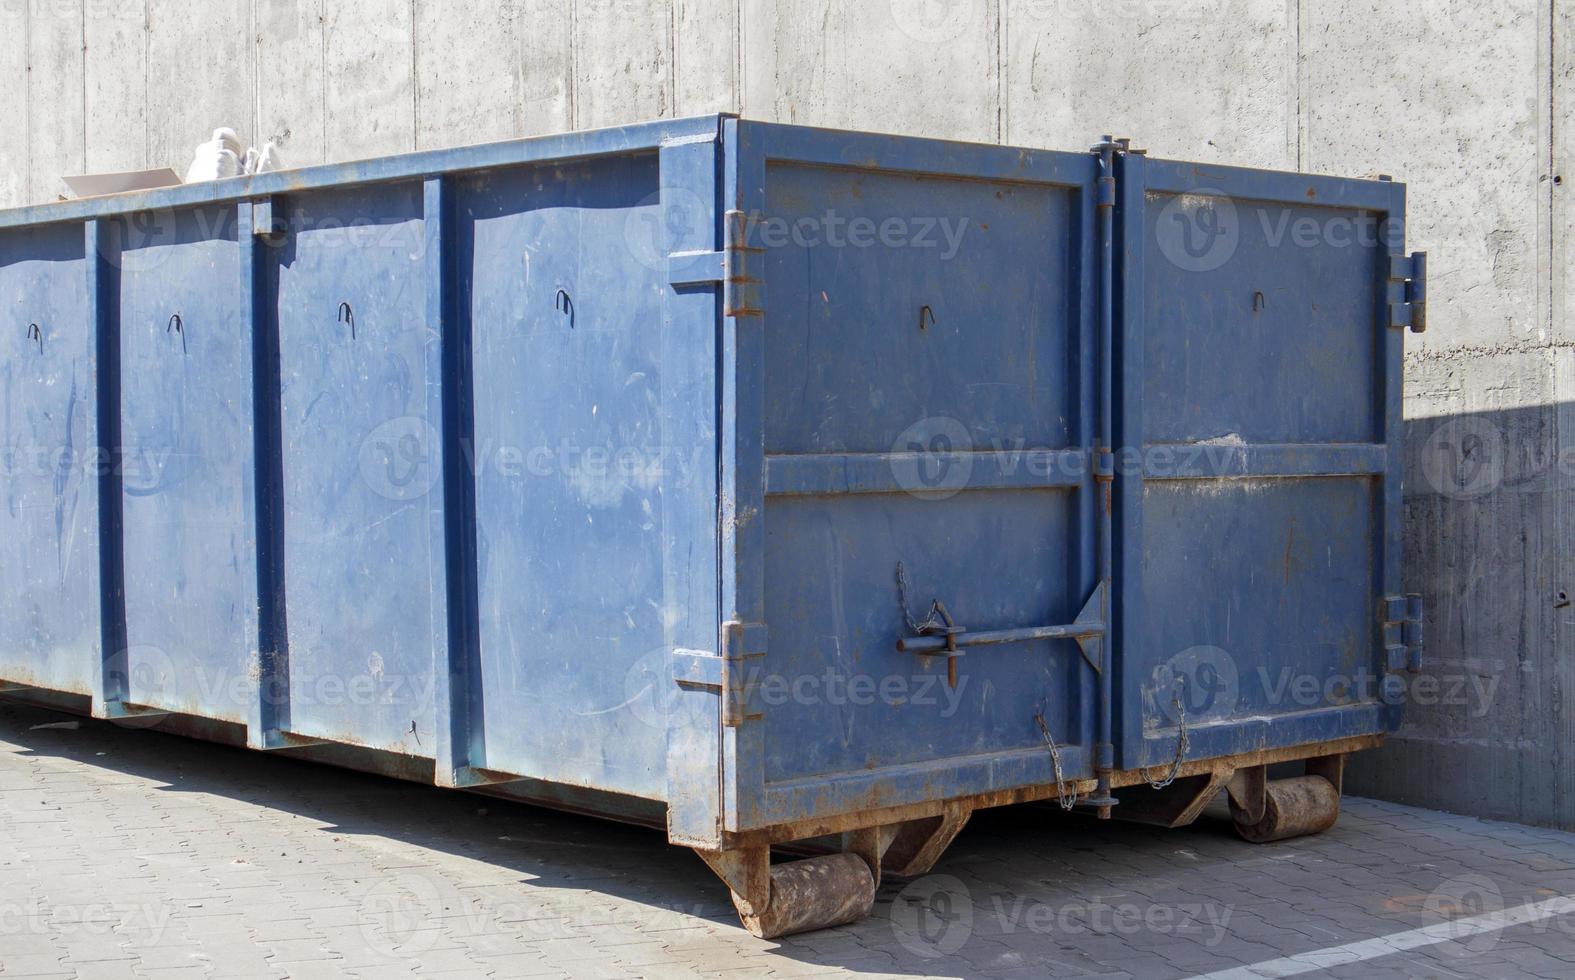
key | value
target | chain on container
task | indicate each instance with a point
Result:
(1181, 746)
(1061, 797)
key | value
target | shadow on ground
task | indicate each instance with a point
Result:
(1024, 891)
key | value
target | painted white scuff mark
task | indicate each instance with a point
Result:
(743, 517)
(839, 621)
(1217, 486)
(604, 490)
(1228, 439)
(385, 519)
(1194, 202)
(591, 712)
(1234, 454)
(670, 615)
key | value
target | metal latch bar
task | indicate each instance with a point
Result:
(696, 268)
(706, 671)
(934, 644)
(1089, 630)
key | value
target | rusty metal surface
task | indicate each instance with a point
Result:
(838, 823)
(815, 893)
(1292, 808)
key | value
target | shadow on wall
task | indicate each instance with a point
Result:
(1488, 727)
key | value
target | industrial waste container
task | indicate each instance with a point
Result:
(761, 482)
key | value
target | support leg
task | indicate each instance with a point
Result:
(918, 844)
(796, 896)
(1177, 805)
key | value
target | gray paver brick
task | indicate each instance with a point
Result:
(241, 865)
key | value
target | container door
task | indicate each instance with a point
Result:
(355, 355)
(1259, 478)
(186, 395)
(921, 378)
(49, 608)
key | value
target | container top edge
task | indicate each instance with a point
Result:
(578, 145)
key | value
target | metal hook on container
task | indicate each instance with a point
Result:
(925, 311)
(347, 315)
(35, 333)
(179, 326)
(563, 304)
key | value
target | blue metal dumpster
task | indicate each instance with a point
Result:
(768, 483)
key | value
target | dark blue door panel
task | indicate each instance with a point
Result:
(837, 695)
(567, 330)
(354, 361)
(898, 297)
(1273, 345)
(1258, 394)
(1259, 595)
(925, 355)
(49, 622)
(186, 389)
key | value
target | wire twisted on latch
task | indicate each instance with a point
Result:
(1061, 797)
(1181, 744)
(933, 620)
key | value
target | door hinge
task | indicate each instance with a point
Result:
(1408, 291)
(728, 674)
(1403, 633)
(743, 291)
(738, 267)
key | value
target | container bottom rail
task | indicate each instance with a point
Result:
(836, 888)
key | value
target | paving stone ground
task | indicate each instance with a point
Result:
(128, 854)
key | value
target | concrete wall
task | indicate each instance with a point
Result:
(1460, 99)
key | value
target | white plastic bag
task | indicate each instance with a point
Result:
(218, 158)
(268, 159)
(224, 156)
